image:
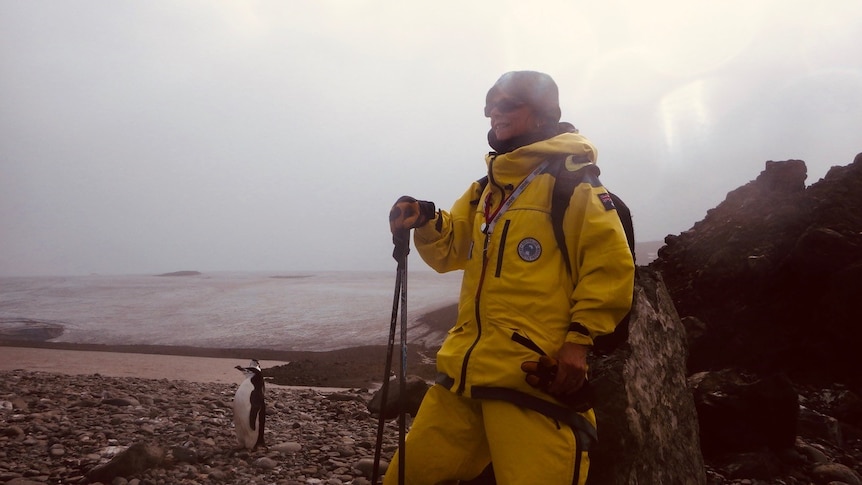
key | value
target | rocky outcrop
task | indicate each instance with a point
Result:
(648, 428)
(767, 286)
(774, 272)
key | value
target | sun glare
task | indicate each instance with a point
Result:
(691, 37)
(684, 115)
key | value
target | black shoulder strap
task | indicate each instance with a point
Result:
(483, 182)
(626, 218)
(569, 172)
(565, 180)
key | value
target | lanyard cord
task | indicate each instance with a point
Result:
(492, 219)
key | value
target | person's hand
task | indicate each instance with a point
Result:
(409, 213)
(564, 378)
(571, 369)
(406, 214)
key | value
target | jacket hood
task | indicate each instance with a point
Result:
(528, 138)
(510, 168)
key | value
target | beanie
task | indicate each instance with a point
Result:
(536, 89)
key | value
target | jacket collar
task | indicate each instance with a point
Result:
(510, 168)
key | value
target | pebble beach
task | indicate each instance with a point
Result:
(61, 428)
(71, 409)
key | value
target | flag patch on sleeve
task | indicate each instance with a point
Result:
(607, 201)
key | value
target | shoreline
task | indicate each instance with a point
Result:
(350, 367)
(81, 362)
(354, 367)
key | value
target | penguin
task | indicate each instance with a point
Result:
(249, 409)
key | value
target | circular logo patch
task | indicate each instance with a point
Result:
(529, 249)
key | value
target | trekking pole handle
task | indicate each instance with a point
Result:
(401, 240)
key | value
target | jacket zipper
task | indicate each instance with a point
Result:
(462, 381)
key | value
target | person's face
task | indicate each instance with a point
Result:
(510, 117)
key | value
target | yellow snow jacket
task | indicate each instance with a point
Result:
(517, 298)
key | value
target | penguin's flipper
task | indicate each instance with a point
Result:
(252, 414)
(262, 417)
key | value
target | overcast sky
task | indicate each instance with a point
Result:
(155, 136)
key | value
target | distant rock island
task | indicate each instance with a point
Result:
(182, 273)
(27, 329)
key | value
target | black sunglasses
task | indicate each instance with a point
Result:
(505, 105)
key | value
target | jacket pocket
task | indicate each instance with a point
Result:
(458, 328)
(526, 342)
(501, 252)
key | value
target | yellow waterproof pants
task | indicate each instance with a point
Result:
(454, 438)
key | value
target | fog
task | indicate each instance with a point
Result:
(147, 137)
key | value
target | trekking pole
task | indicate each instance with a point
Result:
(384, 390)
(402, 248)
(402, 375)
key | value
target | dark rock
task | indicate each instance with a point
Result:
(343, 396)
(135, 459)
(846, 405)
(774, 272)
(415, 390)
(365, 466)
(768, 283)
(818, 426)
(183, 454)
(739, 413)
(695, 331)
(14, 432)
(836, 473)
(784, 177)
(119, 402)
(763, 466)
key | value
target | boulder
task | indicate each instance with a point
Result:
(744, 413)
(133, 460)
(415, 390)
(647, 424)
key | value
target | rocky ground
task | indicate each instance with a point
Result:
(64, 429)
(827, 451)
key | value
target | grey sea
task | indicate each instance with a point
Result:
(314, 311)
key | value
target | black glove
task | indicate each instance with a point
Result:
(406, 214)
(409, 213)
(542, 373)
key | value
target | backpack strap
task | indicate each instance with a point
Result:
(626, 218)
(483, 182)
(568, 172)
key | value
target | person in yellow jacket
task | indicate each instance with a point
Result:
(514, 364)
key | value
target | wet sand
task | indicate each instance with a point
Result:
(116, 364)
